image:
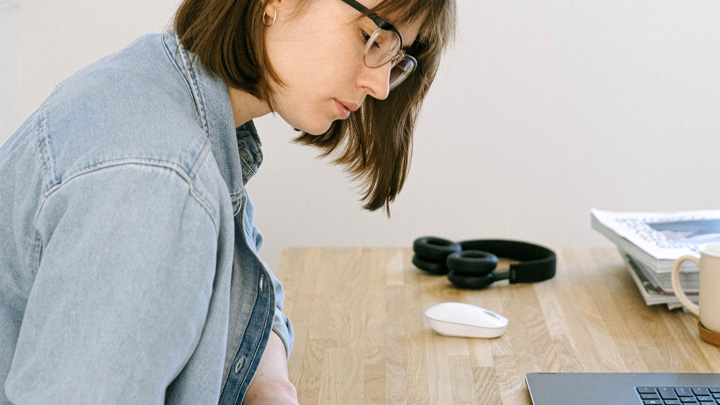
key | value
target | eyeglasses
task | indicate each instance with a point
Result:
(385, 45)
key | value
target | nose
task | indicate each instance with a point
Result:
(376, 81)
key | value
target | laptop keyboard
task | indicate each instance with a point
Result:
(678, 395)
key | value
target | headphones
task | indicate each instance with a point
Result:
(472, 264)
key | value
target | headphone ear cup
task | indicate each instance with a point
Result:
(473, 263)
(471, 282)
(430, 267)
(434, 249)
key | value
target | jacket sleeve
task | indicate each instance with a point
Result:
(122, 290)
(281, 323)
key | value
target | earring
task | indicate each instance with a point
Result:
(273, 20)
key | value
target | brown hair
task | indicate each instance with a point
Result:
(375, 143)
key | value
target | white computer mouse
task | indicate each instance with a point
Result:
(465, 320)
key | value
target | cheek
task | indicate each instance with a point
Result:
(307, 73)
(308, 80)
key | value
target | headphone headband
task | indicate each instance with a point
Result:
(537, 263)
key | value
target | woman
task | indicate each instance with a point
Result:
(129, 259)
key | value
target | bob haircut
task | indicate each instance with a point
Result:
(375, 144)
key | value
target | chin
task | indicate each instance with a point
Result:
(314, 128)
(315, 133)
(309, 122)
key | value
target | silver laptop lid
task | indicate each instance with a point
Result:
(606, 388)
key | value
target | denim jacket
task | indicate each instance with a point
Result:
(129, 268)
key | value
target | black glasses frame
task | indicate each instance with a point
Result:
(400, 54)
(376, 19)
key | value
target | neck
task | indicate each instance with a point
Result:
(246, 107)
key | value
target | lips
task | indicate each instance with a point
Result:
(351, 106)
(345, 108)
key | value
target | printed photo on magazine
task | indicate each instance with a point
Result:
(663, 235)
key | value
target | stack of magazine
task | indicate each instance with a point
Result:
(651, 242)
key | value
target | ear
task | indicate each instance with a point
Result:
(281, 7)
(271, 10)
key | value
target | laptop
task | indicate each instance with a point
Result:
(623, 388)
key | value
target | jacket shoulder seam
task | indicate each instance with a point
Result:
(188, 178)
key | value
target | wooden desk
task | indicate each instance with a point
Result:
(361, 336)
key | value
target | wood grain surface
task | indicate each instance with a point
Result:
(361, 336)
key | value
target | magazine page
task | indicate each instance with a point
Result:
(664, 235)
(690, 281)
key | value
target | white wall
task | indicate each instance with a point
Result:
(541, 111)
(9, 117)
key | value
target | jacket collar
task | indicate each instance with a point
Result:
(236, 150)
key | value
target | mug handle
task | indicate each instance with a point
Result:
(675, 277)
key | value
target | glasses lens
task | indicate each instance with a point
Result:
(401, 71)
(381, 47)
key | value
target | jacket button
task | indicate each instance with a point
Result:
(239, 364)
(262, 279)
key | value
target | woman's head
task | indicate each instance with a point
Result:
(318, 54)
(305, 59)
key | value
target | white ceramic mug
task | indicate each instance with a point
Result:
(709, 264)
